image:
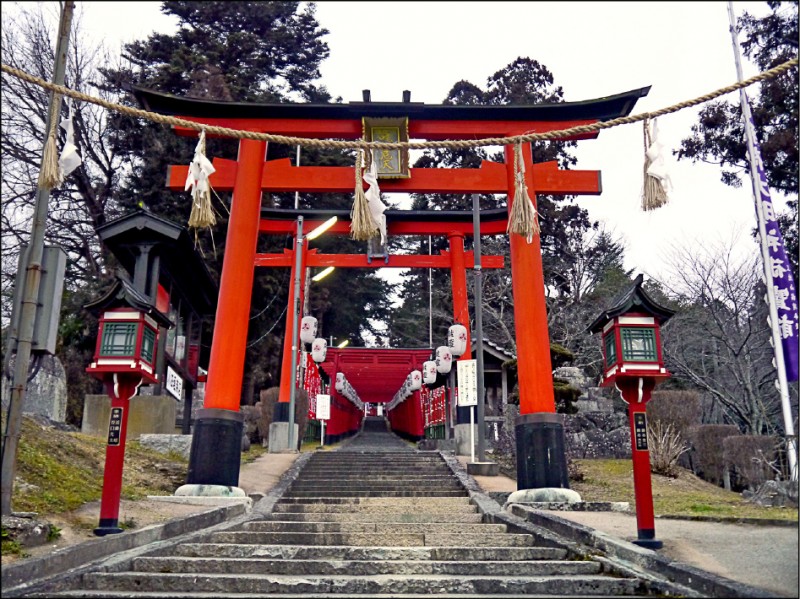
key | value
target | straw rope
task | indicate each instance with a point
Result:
(415, 145)
(653, 193)
(522, 217)
(362, 225)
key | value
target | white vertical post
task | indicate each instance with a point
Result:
(322, 436)
(472, 432)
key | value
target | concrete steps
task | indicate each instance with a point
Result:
(386, 522)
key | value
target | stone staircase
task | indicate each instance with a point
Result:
(374, 519)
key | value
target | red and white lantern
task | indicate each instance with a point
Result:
(308, 329)
(319, 349)
(444, 359)
(429, 372)
(340, 382)
(415, 380)
(457, 339)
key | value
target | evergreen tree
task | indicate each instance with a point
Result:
(260, 52)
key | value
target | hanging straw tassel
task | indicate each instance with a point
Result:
(522, 219)
(362, 225)
(653, 193)
(50, 172)
(200, 170)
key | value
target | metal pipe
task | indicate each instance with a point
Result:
(298, 256)
(476, 226)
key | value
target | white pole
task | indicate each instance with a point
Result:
(472, 432)
(297, 193)
(322, 436)
(780, 365)
(430, 298)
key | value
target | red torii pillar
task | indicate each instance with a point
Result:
(541, 459)
(217, 437)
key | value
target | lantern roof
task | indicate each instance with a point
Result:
(635, 298)
(123, 294)
(605, 108)
(179, 259)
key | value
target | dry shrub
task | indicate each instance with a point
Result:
(751, 458)
(681, 409)
(707, 440)
(666, 446)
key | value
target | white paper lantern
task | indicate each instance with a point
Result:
(457, 339)
(340, 382)
(308, 329)
(444, 359)
(319, 349)
(429, 372)
(415, 380)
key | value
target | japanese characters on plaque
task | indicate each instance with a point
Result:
(640, 430)
(115, 426)
(467, 383)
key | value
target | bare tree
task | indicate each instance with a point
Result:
(719, 340)
(86, 198)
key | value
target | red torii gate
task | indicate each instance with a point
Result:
(540, 451)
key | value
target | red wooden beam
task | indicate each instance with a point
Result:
(441, 260)
(281, 176)
(342, 227)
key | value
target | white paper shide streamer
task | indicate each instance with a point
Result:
(656, 177)
(373, 194)
(197, 183)
(69, 159)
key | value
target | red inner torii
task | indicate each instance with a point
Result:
(541, 460)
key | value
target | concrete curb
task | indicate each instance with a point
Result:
(724, 520)
(22, 575)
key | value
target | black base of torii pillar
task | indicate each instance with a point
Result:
(541, 456)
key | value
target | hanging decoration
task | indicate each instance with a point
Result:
(444, 359)
(319, 349)
(308, 329)
(429, 372)
(69, 159)
(415, 380)
(522, 219)
(197, 184)
(362, 225)
(49, 173)
(656, 178)
(457, 339)
(376, 205)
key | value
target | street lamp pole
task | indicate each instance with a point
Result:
(476, 227)
(298, 258)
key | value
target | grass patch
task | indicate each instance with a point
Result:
(687, 495)
(256, 451)
(68, 470)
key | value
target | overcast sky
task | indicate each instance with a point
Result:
(593, 49)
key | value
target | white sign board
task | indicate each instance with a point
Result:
(174, 383)
(467, 383)
(323, 407)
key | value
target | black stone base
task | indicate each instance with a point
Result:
(108, 526)
(541, 459)
(216, 448)
(647, 539)
(280, 412)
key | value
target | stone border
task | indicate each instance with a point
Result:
(56, 571)
(659, 574)
(26, 574)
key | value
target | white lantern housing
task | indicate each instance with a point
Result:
(308, 329)
(429, 372)
(415, 380)
(457, 339)
(319, 349)
(444, 359)
(340, 382)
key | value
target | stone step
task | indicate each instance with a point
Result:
(356, 489)
(378, 481)
(338, 552)
(302, 567)
(388, 528)
(348, 508)
(364, 473)
(105, 594)
(415, 503)
(225, 584)
(379, 515)
(376, 539)
(320, 495)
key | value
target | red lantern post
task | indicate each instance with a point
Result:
(125, 357)
(633, 361)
